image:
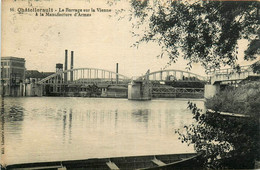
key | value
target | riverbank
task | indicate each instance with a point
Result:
(244, 99)
(230, 140)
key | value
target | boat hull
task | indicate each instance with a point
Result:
(171, 161)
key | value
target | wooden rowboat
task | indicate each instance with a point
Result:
(172, 161)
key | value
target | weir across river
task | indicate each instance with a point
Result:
(78, 82)
(105, 83)
(96, 82)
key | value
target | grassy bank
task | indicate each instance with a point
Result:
(227, 142)
(244, 99)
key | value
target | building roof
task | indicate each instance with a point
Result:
(12, 58)
(103, 85)
(33, 74)
(46, 74)
(37, 74)
(117, 87)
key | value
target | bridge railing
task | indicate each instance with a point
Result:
(176, 90)
(82, 75)
(231, 74)
(226, 71)
(164, 75)
(136, 78)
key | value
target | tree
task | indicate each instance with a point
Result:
(205, 32)
(93, 90)
(208, 32)
(227, 142)
(256, 67)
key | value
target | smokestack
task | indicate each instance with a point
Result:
(66, 66)
(117, 73)
(71, 66)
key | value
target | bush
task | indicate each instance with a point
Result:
(227, 142)
(244, 99)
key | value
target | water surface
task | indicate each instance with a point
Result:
(40, 129)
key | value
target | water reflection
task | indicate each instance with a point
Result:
(116, 118)
(15, 113)
(53, 129)
(66, 132)
(70, 125)
(64, 124)
(141, 116)
(2, 160)
(12, 118)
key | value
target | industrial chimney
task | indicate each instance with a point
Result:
(66, 66)
(117, 73)
(71, 66)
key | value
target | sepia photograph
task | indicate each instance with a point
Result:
(130, 84)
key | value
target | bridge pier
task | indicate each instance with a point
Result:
(32, 89)
(139, 90)
(104, 92)
(210, 90)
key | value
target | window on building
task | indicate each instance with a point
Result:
(3, 63)
(17, 64)
(5, 73)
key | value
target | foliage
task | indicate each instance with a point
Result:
(203, 31)
(256, 67)
(93, 90)
(227, 142)
(208, 32)
(244, 99)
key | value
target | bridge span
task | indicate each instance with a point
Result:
(157, 84)
(173, 74)
(83, 76)
(230, 74)
(165, 83)
(79, 79)
(81, 82)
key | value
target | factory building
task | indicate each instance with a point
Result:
(12, 76)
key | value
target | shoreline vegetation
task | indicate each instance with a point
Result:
(230, 142)
(244, 99)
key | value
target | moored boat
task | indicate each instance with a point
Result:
(170, 161)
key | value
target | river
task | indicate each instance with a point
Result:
(41, 129)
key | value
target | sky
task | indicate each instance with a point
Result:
(98, 41)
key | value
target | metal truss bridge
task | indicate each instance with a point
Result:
(230, 74)
(95, 75)
(84, 76)
(168, 91)
(79, 78)
(172, 74)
